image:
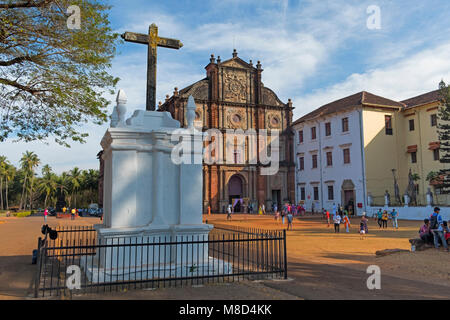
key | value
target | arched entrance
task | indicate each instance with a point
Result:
(235, 192)
(348, 196)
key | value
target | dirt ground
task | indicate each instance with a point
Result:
(321, 264)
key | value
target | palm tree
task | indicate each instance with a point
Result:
(3, 163)
(10, 174)
(48, 183)
(28, 162)
(75, 182)
(63, 184)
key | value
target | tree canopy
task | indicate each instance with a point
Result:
(52, 78)
(444, 133)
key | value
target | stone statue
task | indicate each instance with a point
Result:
(406, 197)
(429, 198)
(396, 189)
(387, 199)
(119, 111)
(411, 189)
(369, 199)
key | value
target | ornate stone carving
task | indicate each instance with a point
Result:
(270, 98)
(273, 120)
(236, 118)
(235, 86)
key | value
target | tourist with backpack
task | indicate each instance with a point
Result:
(437, 228)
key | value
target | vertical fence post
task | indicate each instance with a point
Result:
(38, 273)
(285, 254)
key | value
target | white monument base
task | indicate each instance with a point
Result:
(166, 271)
(152, 252)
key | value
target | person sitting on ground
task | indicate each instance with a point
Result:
(425, 233)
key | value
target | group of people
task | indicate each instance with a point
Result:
(340, 216)
(288, 211)
(435, 230)
(382, 218)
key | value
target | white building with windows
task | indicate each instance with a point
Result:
(353, 151)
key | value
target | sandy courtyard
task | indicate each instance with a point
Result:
(321, 264)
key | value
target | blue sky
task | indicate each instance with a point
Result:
(313, 52)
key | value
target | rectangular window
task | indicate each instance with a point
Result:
(302, 193)
(436, 154)
(346, 155)
(433, 118)
(329, 159)
(388, 125)
(314, 161)
(328, 129)
(301, 163)
(330, 193)
(344, 124)
(316, 193)
(413, 157)
(300, 136)
(313, 133)
(411, 125)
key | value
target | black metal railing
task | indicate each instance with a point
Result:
(77, 262)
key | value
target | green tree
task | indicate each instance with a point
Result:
(444, 133)
(9, 177)
(28, 162)
(52, 78)
(3, 166)
(48, 184)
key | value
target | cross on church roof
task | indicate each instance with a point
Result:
(153, 41)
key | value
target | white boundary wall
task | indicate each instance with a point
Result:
(412, 213)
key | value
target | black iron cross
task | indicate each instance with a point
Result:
(153, 42)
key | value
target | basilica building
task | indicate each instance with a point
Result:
(233, 96)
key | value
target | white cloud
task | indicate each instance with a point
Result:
(415, 75)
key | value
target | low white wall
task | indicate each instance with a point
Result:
(412, 213)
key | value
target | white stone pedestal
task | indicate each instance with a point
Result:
(150, 198)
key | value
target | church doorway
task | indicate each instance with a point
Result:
(235, 193)
(348, 196)
(276, 198)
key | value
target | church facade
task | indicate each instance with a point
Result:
(232, 96)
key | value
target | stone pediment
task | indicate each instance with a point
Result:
(236, 63)
(198, 90)
(270, 98)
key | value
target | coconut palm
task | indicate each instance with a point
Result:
(48, 183)
(75, 183)
(9, 176)
(28, 162)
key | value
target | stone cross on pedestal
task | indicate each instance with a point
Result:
(153, 41)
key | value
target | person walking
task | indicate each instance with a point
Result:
(337, 222)
(346, 222)
(384, 219)
(45, 214)
(394, 215)
(290, 217)
(229, 212)
(365, 221)
(328, 219)
(380, 218)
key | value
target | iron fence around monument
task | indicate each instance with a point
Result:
(79, 263)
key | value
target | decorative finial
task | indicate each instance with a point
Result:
(289, 103)
(212, 59)
(175, 91)
(258, 65)
(118, 115)
(219, 60)
(234, 53)
(250, 63)
(159, 104)
(167, 97)
(190, 113)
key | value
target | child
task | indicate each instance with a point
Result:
(362, 231)
(384, 219)
(337, 222)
